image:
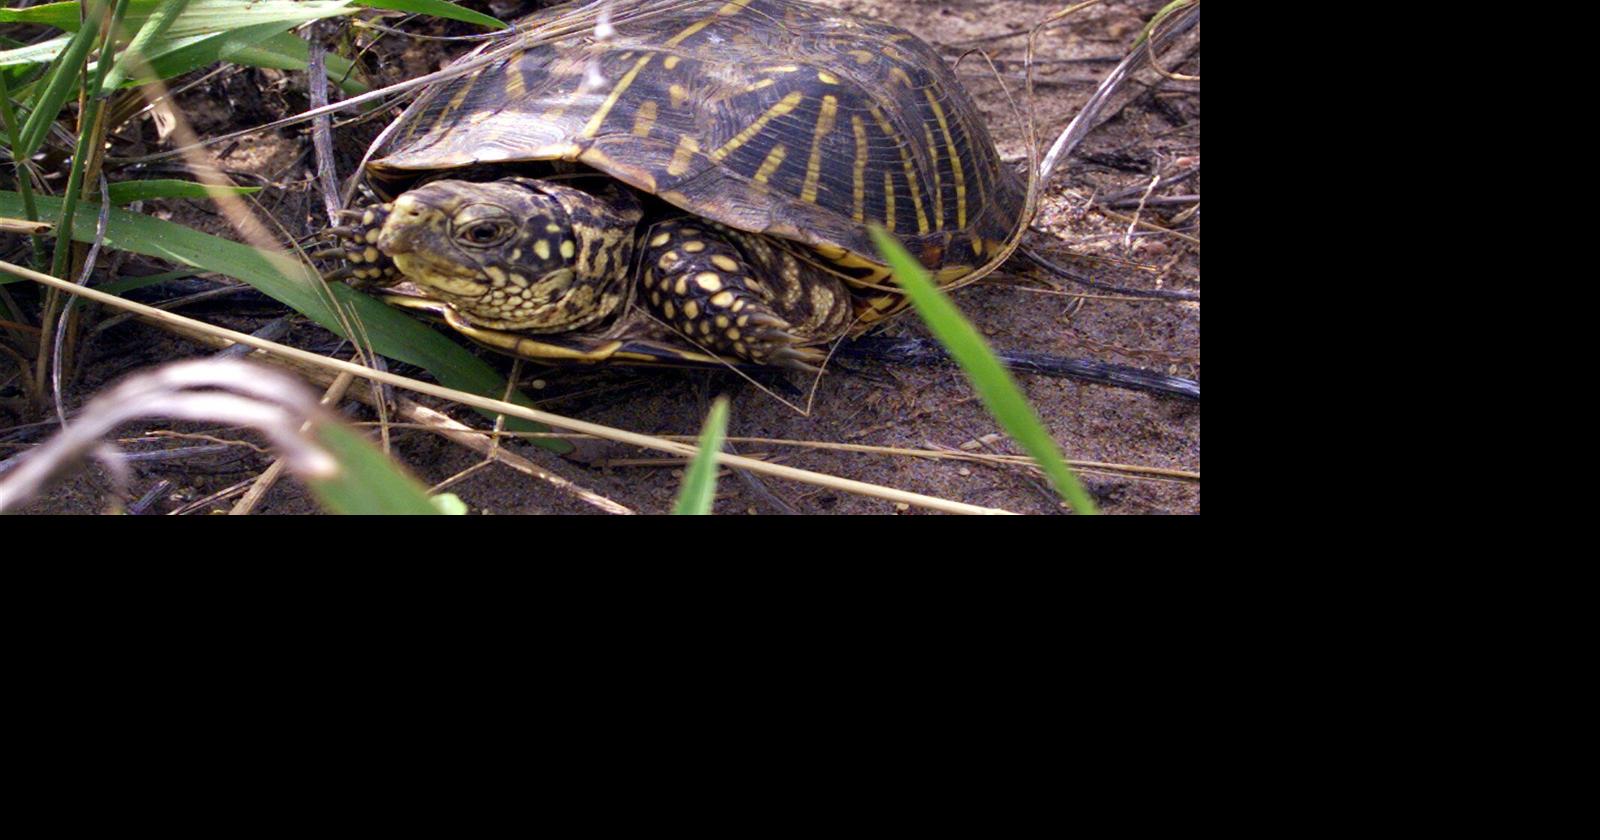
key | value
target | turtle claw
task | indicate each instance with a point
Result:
(358, 244)
(803, 359)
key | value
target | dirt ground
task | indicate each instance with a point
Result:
(927, 408)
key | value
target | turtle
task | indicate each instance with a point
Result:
(683, 181)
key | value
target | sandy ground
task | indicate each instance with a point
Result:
(923, 408)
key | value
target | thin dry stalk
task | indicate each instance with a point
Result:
(474, 401)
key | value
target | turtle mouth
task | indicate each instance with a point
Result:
(448, 276)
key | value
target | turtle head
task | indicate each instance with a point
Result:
(505, 254)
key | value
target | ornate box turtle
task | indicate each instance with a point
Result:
(691, 180)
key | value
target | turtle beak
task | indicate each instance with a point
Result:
(410, 218)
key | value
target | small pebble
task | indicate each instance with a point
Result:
(537, 384)
(902, 506)
(963, 471)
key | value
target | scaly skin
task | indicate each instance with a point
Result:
(537, 256)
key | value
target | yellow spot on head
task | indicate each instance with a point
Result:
(542, 248)
(660, 239)
(568, 249)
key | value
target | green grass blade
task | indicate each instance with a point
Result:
(59, 15)
(126, 192)
(199, 20)
(123, 285)
(59, 84)
(700, 482)
(437, 8)
(154, 27)
(35, 53)
(287, 51)
(367, 482)
(449, 504)
(989, 378)
(392, 333)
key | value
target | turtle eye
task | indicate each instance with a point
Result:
(485, 233)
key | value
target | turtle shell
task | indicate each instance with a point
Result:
(770, 116)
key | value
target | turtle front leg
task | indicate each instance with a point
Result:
(740, 295)
(359, 242)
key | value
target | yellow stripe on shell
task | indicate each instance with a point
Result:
(769, 165)
(599, 117)
(687, 148)
(825, 120)
(859, 176)
(783, 106)
(645, 119)
(955, 160)
(903, 145)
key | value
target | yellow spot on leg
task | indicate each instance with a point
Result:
(709, 281)
(725, 263)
